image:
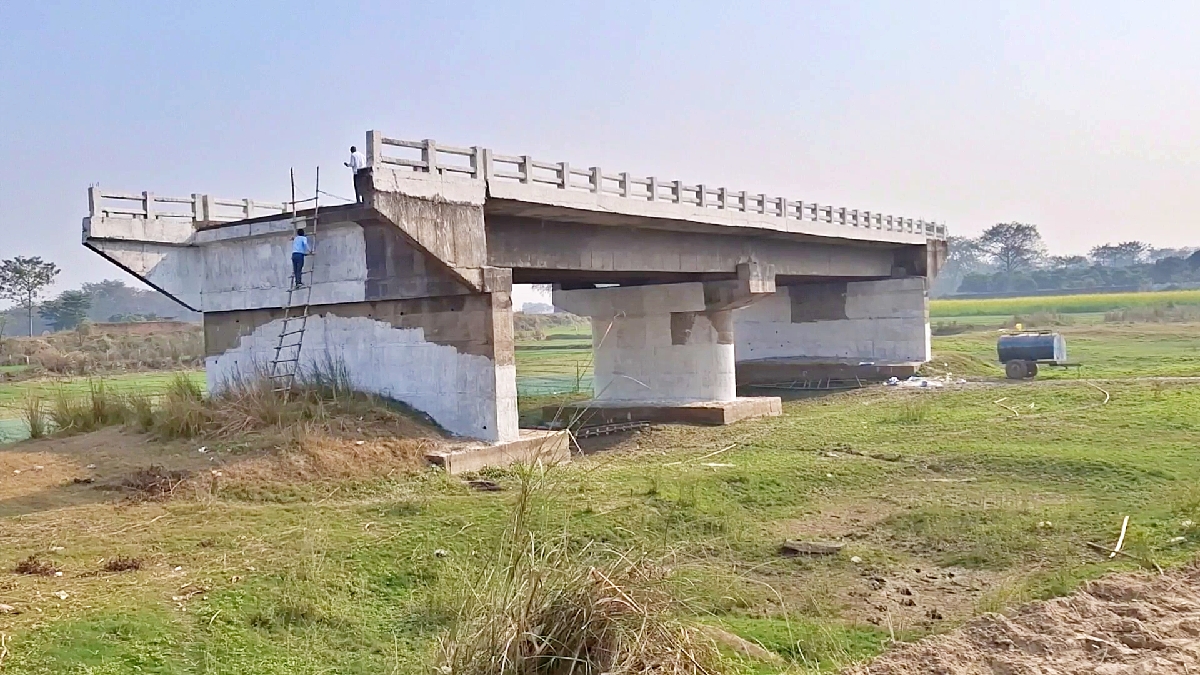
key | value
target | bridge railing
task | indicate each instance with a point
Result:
(197, 208)
(476, 162)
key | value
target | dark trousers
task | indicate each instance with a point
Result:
(360, 185)
(297, 268)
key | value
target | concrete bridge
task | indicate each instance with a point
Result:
(691, 289)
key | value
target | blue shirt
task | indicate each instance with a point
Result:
(300, 245)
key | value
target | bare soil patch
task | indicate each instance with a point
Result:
(1128, 624)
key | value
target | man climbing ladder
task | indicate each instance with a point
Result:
(301, 247)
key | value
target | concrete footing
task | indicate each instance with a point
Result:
(548, 447)
(713, 413)
(815, 370)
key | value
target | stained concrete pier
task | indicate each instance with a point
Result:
(687, 285)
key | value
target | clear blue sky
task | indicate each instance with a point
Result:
(1079, 117)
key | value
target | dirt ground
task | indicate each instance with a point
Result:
(1131, 624)
(112, 464)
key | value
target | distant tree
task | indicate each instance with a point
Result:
(1013, 247)
(66, 311)
(1194, 260)
(1159, 253)
(537, 308)
(1069, 261)
(1169, 269)
(23, 280)
(1125, 254)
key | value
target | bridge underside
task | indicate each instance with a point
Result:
(411, 293)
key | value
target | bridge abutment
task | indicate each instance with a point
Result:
(450, 357)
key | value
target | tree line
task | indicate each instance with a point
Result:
(25, 282)
(1012, 258)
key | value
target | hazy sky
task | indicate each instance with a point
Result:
(1083, 118)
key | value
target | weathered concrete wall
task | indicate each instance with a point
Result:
(656, 343)
(442, 214)
(451, 357)
(885, 321)
(248, 266)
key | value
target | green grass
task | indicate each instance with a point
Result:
(560, 364)
(1106, 351)
(1062, 304)
(12, 394)
(313, 578)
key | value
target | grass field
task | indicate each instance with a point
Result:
(562, 363)
(1060, 304)
(1105, 351)
(12, 394)
(953, 505)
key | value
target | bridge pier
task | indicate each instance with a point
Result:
(834, 329)
(663, 353)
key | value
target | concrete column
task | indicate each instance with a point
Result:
(657, 343)
(879, 327)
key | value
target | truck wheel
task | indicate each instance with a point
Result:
(1031, 370)
(1015, 370)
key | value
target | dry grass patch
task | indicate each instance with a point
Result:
(123, 564)
(34, 565)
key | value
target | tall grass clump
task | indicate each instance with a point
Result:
(99, 407)
(34, 415)
(912, 412)
(543, 606)
(182, 412)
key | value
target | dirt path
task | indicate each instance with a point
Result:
(1130, 624)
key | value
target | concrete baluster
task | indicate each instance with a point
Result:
(374, 148)
(626, 185)
(564, 175)
(597, 180)
(526, 169)
(478, 163)
(148, 205)
(653, 188)
(429, 155)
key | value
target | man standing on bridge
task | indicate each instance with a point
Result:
(358, 165)
(300, 248)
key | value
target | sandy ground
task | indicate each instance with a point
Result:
(1131, 624)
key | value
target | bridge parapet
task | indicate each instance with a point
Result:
(192, 210)
(476, 162)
